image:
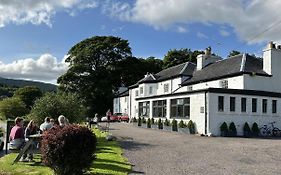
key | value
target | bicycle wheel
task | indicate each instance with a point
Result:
(275, 132)
(264, 132)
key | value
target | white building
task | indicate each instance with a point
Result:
(238, 89)
(121, 101)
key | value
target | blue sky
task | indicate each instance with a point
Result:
(35, 36)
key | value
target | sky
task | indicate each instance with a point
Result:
(35, 36)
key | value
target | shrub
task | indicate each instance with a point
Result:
(232, 129)
(160, 124)
(191, 127)
(148, 123)
(1, 132)
(224, 129)
(143, 120)
(246, 130)
(68, 150)
(167, 122)
(182, 124)
(139, 121)
(152, 121)
(255, 129)
(174, 125)
(134, 120)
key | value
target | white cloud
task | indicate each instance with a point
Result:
(248, 18)
(181, 29)
(201, 35)
(224, 33)
(38, 11)
(46, 68)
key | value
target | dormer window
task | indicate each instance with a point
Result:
(166, 87)
(141, 90)
(137, 93)
(224, 84)
(150, 90)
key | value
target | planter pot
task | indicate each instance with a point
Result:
(183, 130)
(247, 134)
(191, 130)
(135, 124)
(154, 126)
(224, 133)
(167, 128)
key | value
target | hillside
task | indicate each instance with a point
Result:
(21, 83)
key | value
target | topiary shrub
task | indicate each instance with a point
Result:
(246, 130)
(255, 129)
(167, 122)
(143, 120)
(139, 121)
(174, 125)
(148, 123)
(160, 124)
(182, 124)
(68, 150)
(191, 127)
(152, 121)
(134, 120)
(224, 129)
(232, 130)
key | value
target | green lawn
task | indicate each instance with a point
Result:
(109, 160)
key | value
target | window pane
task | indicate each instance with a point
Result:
(243, 104)
(232, 104)
(264, 105)
(174, 101)
(274, 106)
(220, 103)
(180, 111)
(173, 111)
(254, 105)
(187, 111)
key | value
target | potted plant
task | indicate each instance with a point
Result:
(167, 126)
(135, 121)
(255, 130)
(154, 124)
(139, 121)
(191, 127)
(174, 125)
(143, 121)
(183, 127)
(247, 130)
(232, 130)
(148, 124)
(160, 124)
(224, 129)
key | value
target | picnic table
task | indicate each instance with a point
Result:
(31, 139)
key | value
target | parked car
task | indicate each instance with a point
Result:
(124, 118)
(119, 117)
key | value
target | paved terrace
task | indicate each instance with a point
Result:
(159, 152)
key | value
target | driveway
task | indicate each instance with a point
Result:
(159, 152)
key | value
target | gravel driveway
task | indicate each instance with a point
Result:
(159, 152)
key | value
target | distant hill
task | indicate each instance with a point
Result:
(21, 83)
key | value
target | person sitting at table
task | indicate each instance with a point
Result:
(46, 125)
(31, 129)
(62, 121)
(16, 137)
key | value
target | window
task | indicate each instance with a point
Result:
(220, 103)
(264, 105)
(141, 90)
(254, 105)
(150, 89)
(166, 87)
(232, 104)
(243, 104)
(180, 108)
(274, 106)
(159, 108)
(224, 84)
(144, 108)
(137, 93)
(189, 88)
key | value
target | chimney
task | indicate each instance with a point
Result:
(272, 59)
(206, 59)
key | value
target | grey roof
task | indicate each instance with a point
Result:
(184, 69)
(122, 91)
(236, 65)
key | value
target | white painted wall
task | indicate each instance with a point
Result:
(216, 118)
(121, 105)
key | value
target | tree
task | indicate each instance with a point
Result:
(175, 57)
(233, 53)
(55, 104)
(10, 108)
(91, 68)
(28, 95)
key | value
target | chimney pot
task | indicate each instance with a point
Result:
(208, 51)
(271, 45)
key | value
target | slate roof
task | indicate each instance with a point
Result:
(184, 69)
(233, 66)
(122, 92)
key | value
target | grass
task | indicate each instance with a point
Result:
(109, 160)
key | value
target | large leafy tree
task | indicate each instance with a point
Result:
(28, 95)
(91, 68)
(178, 56)
(11, 108)
(55, 104)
